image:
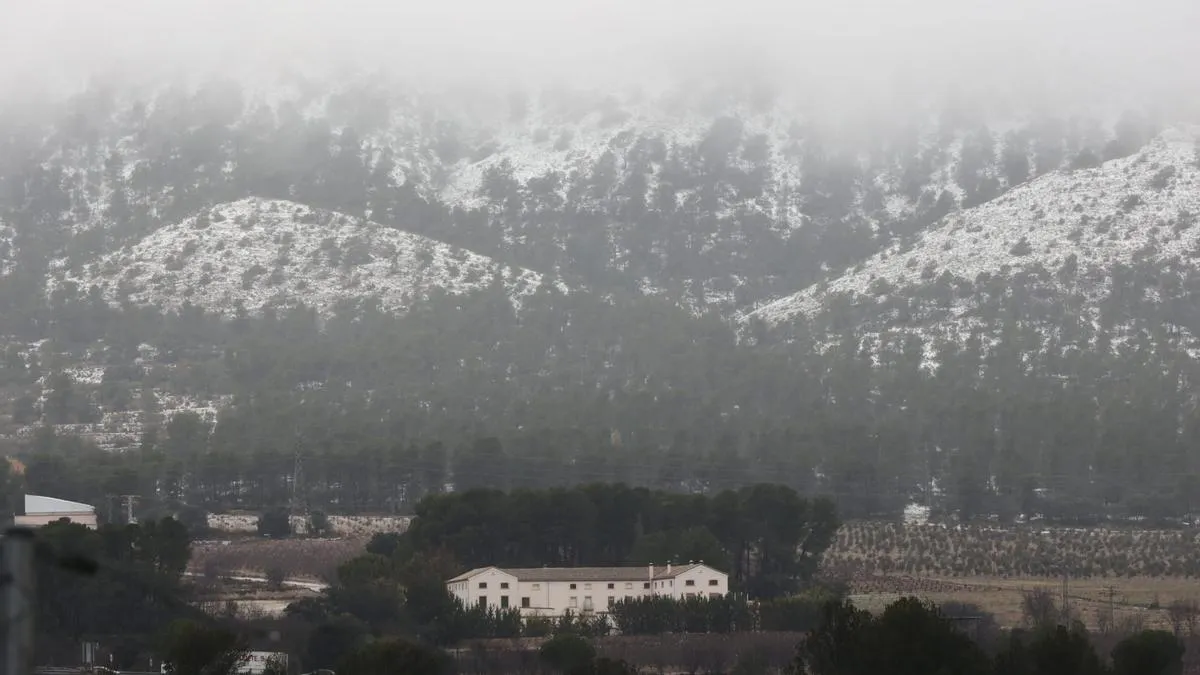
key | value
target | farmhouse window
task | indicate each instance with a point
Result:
(690, 582)
(573, 602)
(713, 582)
(525, 602)
(483, 601)
(483, 584)
(572, 586)
(537, 587)
(612, 600)
(628, 585)
(587, 587)
(612, 586)
(503, 584)
(504, 602)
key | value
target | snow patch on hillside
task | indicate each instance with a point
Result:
(1142, 207)
(255, 253)
(8, 249)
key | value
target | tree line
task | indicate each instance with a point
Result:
(912, 637)
(783, 208)
(766, 537)
(380, 410)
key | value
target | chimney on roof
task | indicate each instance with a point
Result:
(668, 568)
(651, 577)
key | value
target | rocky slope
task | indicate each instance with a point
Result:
(255, 253)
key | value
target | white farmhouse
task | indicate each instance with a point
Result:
(552, 591)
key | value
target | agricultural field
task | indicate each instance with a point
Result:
(1121, 576)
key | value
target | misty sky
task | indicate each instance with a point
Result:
(842, 45)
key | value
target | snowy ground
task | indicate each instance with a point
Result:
(254, 253)
(343, 526)
(1137, 207)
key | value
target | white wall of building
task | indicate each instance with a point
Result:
(492, 587)
(553, 598)
(704, 582)
(499, 589)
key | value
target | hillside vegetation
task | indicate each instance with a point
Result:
(355, 294)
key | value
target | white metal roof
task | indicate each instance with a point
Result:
(38, 504)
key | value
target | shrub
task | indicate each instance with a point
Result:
(318, 524)
(537, 627)
(799, 613)
(274, 523)
(656, 615)
(275, 578)
(567, 653)
(1022, 247)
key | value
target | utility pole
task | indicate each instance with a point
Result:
(129, 502)
(297, 475)
(16, 592)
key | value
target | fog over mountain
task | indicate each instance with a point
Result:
(1060, 50)
(847, 299)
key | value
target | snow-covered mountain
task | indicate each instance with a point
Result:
(254, 253)
(717, 198)
(1086, 241)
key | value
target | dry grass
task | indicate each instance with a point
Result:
(1137, 599)
(312, 559)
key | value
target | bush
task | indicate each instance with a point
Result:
(567, 653)
(395, 655)
(318, 524)
(656, 615)
(1021, 248)
(801, 613)
(1151, 651)
(275, 578)
(274, 523)
(578, 624)
(537, 627)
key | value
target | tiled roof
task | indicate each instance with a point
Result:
(584, 573)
